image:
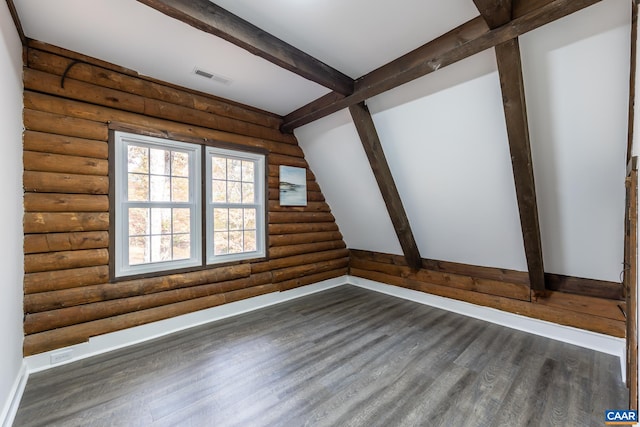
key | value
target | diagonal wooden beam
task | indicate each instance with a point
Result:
(213, 19)
(16, 21)
(511, 82)
(464, 41)
(373, 148)
(497, 13)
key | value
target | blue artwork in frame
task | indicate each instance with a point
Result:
(293, 186)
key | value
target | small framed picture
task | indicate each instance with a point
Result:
(293, 186)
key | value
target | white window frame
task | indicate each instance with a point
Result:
(122, 141)
(259, 204)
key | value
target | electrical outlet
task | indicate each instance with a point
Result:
(60, 356)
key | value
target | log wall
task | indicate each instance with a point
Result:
(68, 293)
(505, 290)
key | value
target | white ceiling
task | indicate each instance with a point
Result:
(354, 37)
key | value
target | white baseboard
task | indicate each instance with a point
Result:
(580, 337)
(115, 340)
(11, 406)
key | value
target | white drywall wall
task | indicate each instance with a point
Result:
(449, 155)
(445, 139)
(576, 73)
(335, 155)
(11, 259)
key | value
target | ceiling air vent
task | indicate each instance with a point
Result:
(214, 77)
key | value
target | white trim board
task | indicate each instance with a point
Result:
(116, 340)
(10, 409)
(580, 337)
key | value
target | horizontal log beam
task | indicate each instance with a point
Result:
(47, 162)
(65, 279)
(311, 278)
(50, 182)
(286, 217)
(57, 242)
(35, 263)
(285, 251)
(63, 222)
(305, 258)
(305, 270)
(62, 124)
(606, 308)
(274, 206)
(294, 227)
(251, 292)
(586, 287)
(67, 145)
(56, 202)
(466, 40)
(89, 294)
(211, 18)
(279, 159)
(296, 239)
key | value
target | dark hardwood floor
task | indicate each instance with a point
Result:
(343, 357)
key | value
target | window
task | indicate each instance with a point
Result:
(235, 205)
(158, 210)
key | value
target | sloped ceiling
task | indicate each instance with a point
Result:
(444, 134)
(445, 140)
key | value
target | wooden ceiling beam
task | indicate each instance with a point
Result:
(211, 18)
(466, 40)
(515, 112)
(16, 20)
(373, 148)
(497, 13)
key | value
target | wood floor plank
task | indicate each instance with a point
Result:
(342, 357)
